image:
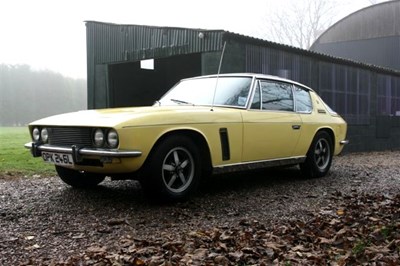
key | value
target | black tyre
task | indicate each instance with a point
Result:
(79, 179)
(173, 169)
(319, 156)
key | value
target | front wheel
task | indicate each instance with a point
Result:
(319, 156)
(173, 169)
(79, 179)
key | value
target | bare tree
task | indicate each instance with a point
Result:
(301, 23)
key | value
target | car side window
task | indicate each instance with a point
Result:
(276, 96)
(256, 98)
(303, 100)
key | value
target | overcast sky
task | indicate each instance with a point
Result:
(51, 34)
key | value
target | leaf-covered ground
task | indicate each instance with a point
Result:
(351, 217)
(353, 230)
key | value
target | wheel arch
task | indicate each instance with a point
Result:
(330, 133)
(316, 154)
(198, 139)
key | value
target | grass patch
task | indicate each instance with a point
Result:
(15, 159)
(359, 247)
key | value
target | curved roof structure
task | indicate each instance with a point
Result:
(370, 35)
(375, 21)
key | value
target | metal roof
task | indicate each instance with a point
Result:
(312, 54)
(113, 43)
(375, 21)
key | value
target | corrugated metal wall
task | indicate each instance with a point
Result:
(117, 43)
(345, 87)
(367, 96)
(111, 43)
(267, 60)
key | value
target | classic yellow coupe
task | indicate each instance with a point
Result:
(203, 125)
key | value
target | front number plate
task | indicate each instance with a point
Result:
(58, 158)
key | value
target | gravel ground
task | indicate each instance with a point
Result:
(43, 221)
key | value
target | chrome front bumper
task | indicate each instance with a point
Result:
(344, 142)
(77, 153)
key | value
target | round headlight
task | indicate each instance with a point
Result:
(44, 134)
(98, 138)
(36, 134)
(112, 138)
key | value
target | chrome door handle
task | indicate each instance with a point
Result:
(296, 127)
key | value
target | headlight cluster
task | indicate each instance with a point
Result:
(105, 138)
(40, 134)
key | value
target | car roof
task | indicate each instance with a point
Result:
(256, 75)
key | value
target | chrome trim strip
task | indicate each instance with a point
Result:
(344, 142)
(258, 164)
(87, 151)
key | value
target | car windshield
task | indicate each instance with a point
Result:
(229, 91)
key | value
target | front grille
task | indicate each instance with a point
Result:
(68, 136)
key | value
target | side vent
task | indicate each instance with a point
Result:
(226, 153)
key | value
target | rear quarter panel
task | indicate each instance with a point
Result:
(320, 119)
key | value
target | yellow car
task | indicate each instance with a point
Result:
(203, 125)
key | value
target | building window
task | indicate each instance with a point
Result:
(147, 64)
(388, 102)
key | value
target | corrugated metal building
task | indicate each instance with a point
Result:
(367, 96)
(370, 35)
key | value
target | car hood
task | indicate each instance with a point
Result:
(140, 116)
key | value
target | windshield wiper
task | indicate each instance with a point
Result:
(180, 101)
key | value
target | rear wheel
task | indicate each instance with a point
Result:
(319, 156)
(173, 169)
(79, 179)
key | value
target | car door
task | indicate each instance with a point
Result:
(271, 128)
(304, 108)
